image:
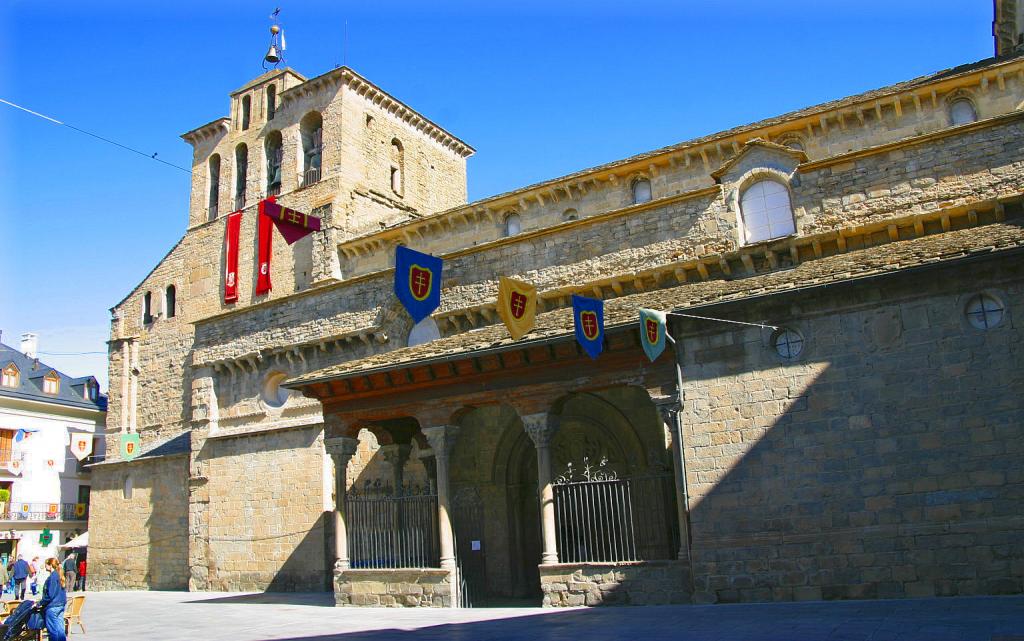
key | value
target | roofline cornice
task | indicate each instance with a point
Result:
(381, 98)
(209, 130)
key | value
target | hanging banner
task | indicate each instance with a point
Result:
(589, 316)
(517, 305)
(652, 332)
(81, 445)
(231, 231)
(264, 243)
(292, 224)
(417, 281)
(130, 445)
(15, 466)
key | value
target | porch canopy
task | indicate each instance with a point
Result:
(80, 541)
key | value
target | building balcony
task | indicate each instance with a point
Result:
(31, 513)
(311, 176)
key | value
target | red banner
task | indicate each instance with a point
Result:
(292, 224)
(231, 257)
(264, 242)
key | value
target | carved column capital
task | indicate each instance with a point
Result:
(541, 427)
(441, 439)
(396, 454)
(335, 426)
(341, 449)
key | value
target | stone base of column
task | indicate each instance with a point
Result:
(394, 588)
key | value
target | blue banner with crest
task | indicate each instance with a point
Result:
(589, 316)
(417, 281)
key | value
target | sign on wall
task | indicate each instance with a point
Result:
(130, 445)
(81, 445)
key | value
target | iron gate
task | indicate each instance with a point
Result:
(392, 529)
(601, 518)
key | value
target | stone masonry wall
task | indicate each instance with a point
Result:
(266, 511)
(139, 542)
(410, 588)
(626, 583)
(885, 461)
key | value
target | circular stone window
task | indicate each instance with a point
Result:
(985, 311)
(273, 394)
(788, 343)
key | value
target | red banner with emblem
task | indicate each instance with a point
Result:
(231, 233)
(264, 243)
(292, 224)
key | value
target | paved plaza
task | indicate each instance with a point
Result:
(165, 616)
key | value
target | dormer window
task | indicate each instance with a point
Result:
(10, 376)
(91, 391)
(312, 129)
(766, 211)
(275, 156)
(271, 101)
(641, 191)
(246, 108)
(51, 383)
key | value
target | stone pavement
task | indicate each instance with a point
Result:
(166, 616)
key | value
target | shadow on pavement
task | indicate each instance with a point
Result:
(322, 599)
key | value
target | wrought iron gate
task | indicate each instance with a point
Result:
(601, 518)
(391, 529)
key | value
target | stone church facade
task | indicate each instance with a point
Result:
(853, 431)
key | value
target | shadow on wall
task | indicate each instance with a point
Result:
(885, 465)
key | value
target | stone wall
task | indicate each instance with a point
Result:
(409, 588)
(625, 583)
(883, 462)
(141, 542)
(268, 498)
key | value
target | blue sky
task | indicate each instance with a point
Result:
(540, 89)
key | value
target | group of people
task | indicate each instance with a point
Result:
(54, 589)
(20, 576)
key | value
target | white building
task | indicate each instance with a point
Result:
(43, 412)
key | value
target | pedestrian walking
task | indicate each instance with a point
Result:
(20, 573)
(70, 571)
(33, 575)
(53, 600)
(81, 575)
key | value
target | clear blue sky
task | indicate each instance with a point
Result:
(539, 88)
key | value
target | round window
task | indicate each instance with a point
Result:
(985, 311)
(788, 343)
(273, 394)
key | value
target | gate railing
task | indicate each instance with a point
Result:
(392, 529)
(601, 518)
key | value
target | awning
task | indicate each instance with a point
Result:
(80, 541)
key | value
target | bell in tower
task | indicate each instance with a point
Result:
(275, 54)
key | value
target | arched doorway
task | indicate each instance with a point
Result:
(523, 520)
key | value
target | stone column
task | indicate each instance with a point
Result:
(203, 421)
(442, 440)
(397, 455)
(542, 428)
(669, 411)
(341, 449)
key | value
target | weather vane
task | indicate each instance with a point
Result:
(275, 55)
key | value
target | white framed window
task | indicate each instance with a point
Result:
(10, 377)
(51, 383)
(985, 311)
(766, 211)
(641, 191)
(513, 225)
(961, 112)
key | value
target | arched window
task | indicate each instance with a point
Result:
(641, 191)
(246, 108)
(570, 214)
(170, 301)
(961, 112)
(214, 185)
(312, 130)
(766, 211)
(147, 308)
(10, 377)
(512, 224)
(271, 101)
(241, 174)
(51, 383)
(275, 154)
(397, 167)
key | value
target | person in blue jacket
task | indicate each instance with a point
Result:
(20, 575)
(53, 601)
